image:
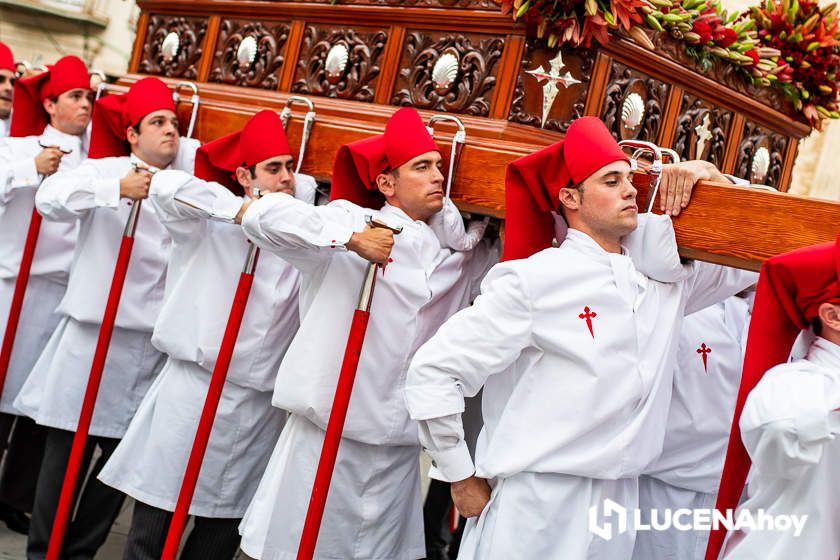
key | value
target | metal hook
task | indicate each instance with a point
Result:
(176, 96)
(308, 122)
(655, 169)
(459, 139)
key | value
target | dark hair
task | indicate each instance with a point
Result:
(252, 169)
(817, 326)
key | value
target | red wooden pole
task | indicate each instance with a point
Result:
(335, 425)
(211, 404)
(71, 475)
(18, 295)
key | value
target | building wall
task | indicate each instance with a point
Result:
(39, 38)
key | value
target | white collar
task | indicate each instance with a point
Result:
(54, 137)
(824, 353)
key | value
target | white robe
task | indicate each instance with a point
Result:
(53, 393)
(424, 283)
(204, 270)
(597, 389)
(5, 125)
(790, 425)
(53, 252)
(687, 473)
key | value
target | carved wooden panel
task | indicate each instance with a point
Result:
(633, 104)
(339, 62)
(257, 61)
(540, 99)
(761, 155)
(449, 72)
(702, 129)
(188, 32)
(463, 4)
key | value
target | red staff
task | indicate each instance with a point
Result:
(335, 424)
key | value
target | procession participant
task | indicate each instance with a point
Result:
(575, 340)
(686, 474)
(373, 509)
(8, 76)
(133, 133)
(791, 419)
(208, 252)
(52, 111)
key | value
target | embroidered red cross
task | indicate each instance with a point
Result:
(704, 350)
(588, 315)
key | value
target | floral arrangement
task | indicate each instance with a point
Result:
(792, 45)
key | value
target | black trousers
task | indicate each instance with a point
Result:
(210, 538)
(22, 443)
(96, 504)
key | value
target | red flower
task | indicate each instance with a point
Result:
(729, 37)
(704, 30)
(753, 55)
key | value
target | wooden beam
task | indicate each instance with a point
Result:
(508, 65)
(290, 56)
(390, 65)
(209, 54)
(787, 166)
(743, 226)
(139, 41)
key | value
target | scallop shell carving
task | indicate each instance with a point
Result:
(246, 52)
(633, 111)
(445, 72)
(336, 62)
(170, 46)
(760, 165)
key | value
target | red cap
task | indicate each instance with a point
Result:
(113, 114)
(261, 138)
(790, 290)
(28, 115)
(357, 164)
(533, 183)
(7, 59)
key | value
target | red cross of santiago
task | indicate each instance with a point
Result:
(704, 351)
(588, 315)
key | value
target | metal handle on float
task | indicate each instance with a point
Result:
(459, 139)
(176, 96)
(308, 122)
(655, 169)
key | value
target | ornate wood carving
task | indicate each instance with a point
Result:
(529, 95)
(631, 92)
(356, 78)
(701, 130)
(759, 143)
(476, 58)
(184, 64)
(463, 4)
(263, 70)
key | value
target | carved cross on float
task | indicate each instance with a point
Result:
(552, 78)
(704, 134)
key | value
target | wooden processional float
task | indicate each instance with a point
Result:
(359, 60)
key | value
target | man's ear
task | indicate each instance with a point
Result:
(569, 199)
(829, 314)
(49, 106)
(385, 184)
(131, 135)
(243, 177)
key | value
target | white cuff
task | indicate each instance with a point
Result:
(453, 464)
(226, 208)
(25, 174)
(106, 192)
(336, 236)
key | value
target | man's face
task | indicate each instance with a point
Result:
(416, 187)
(7, 85)
(70, 111)
(275, 174)
(156, 138)
(606, 201)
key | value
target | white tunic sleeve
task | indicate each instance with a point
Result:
(787, 420)
(474, 344)
(68, 195)
(15, 174)
(305, 236)
(183, 202)
(708, 284)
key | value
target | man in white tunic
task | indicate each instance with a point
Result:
(52, 111)
(208, 253)
(8, 76)
(574, 347)
(373, 508)
(686, 474)
(132, 134)
(791, 415)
